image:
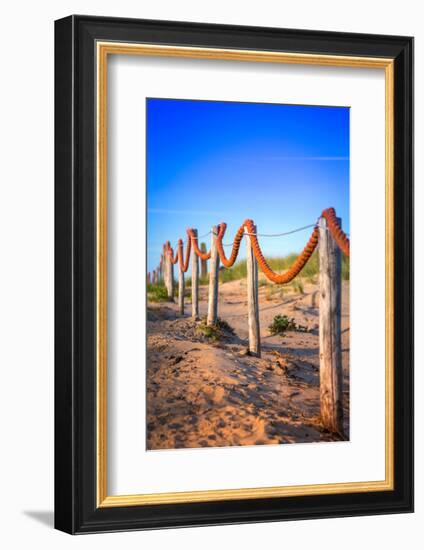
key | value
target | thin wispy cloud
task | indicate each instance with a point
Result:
(310, 158)
(285, 158)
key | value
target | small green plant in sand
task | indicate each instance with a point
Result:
(157, 293)
(214, 332)
(282, 323)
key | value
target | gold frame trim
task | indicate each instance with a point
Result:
(119, 48)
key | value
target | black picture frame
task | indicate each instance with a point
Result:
(76, 510)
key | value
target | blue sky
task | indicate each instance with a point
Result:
(213, 161)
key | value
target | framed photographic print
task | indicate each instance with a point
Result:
(234, 294)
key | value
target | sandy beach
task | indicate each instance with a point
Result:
(203, 393)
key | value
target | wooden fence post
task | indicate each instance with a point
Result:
(330, 349)
(181, 289)
(253, 299)
(161, 269)
(169, 276)
(194, 280)
(203, 263)
(314, 299)
(213, 280)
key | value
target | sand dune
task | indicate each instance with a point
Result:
(213, 394)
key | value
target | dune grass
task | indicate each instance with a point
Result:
(157, 293)
(202, 281)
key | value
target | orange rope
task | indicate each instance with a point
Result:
(228, 262)
(179, 256)
(329, 214)
(269, 273)
(170, 252)
(184, 265)
(202, 255)
(295, 269)
(336, 231)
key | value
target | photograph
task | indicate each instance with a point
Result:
(247, 254)
(233, 271)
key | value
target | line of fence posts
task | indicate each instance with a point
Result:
(330, 355)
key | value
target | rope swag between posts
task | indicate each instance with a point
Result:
(329, 215)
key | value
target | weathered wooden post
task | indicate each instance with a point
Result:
(169, 276)
(181, 288)
(148, 278)
(194, 280)
(330, 349)
(203, 263)
(213, 280)
(253, 299)
(161, 269)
